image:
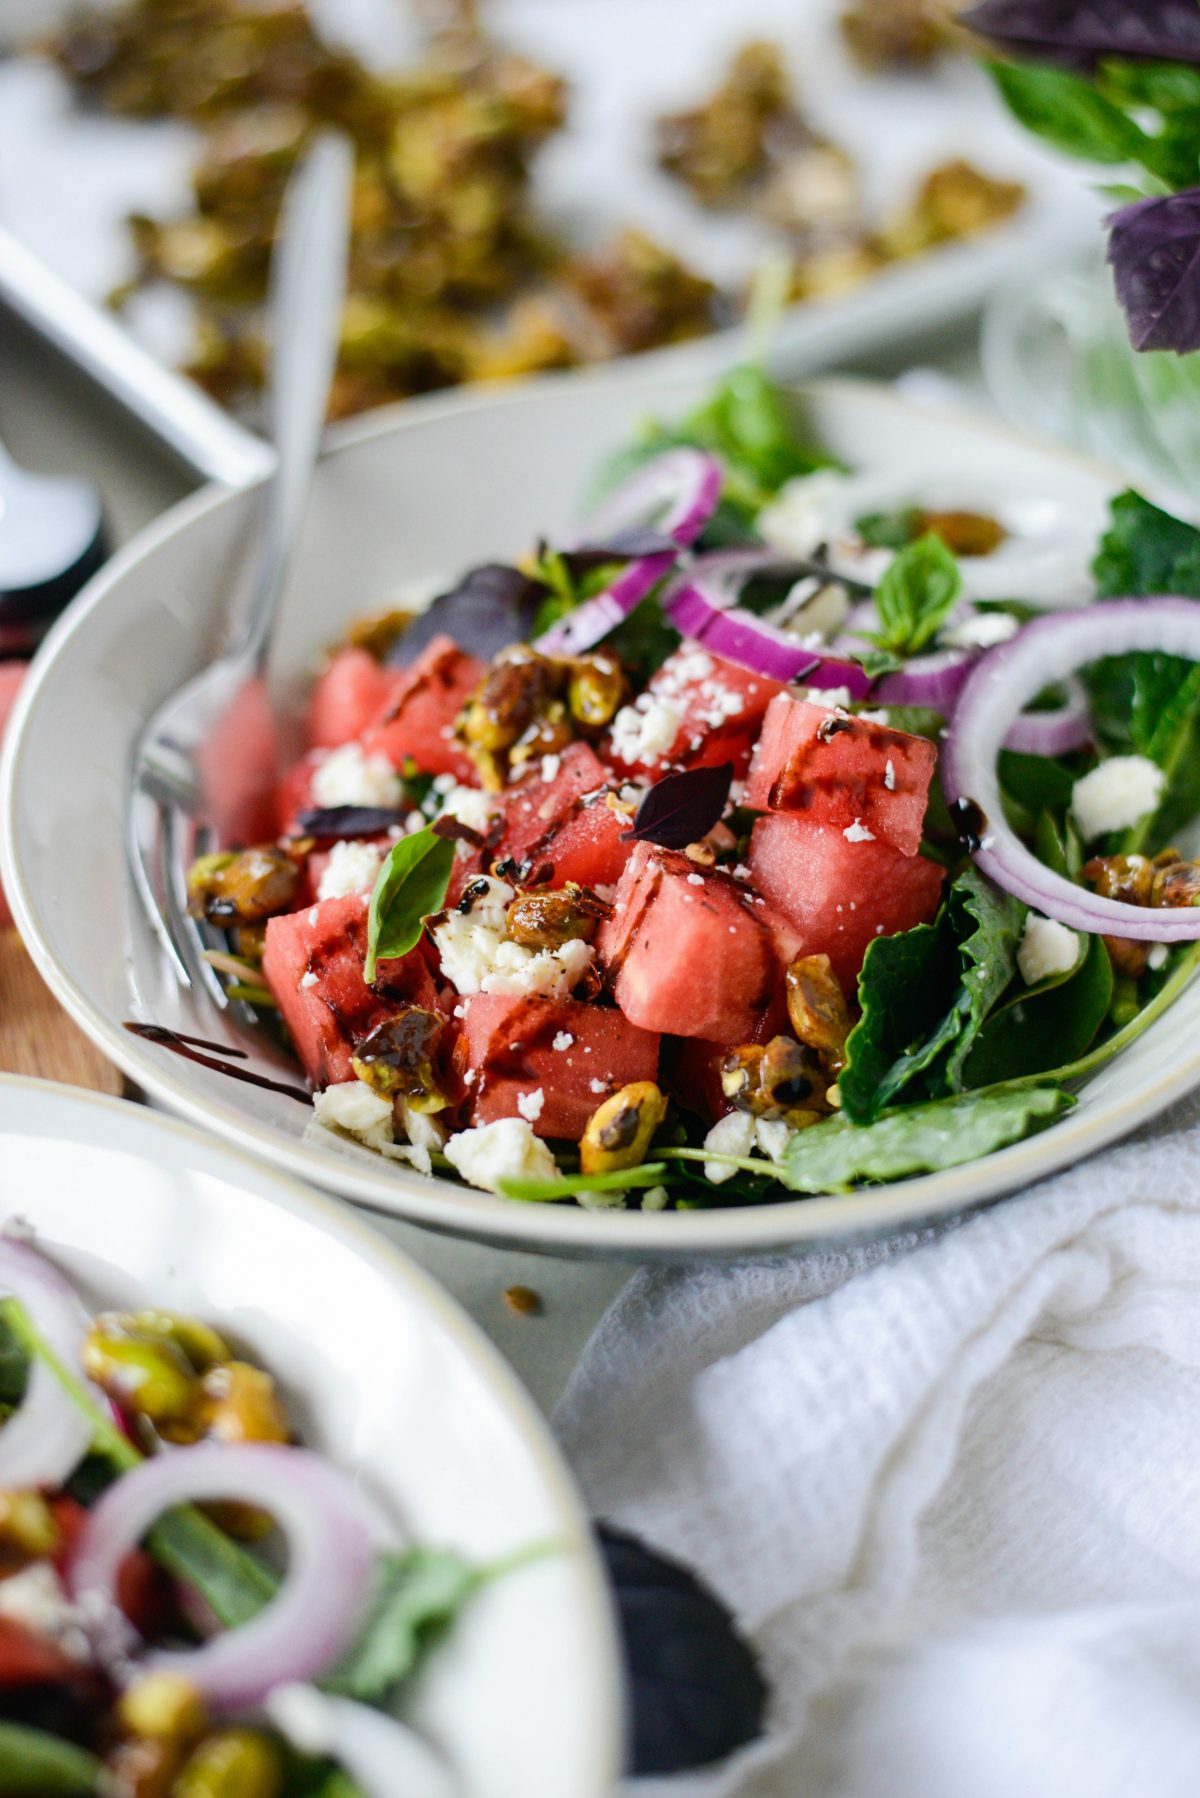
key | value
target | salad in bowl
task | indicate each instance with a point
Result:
(783, 833)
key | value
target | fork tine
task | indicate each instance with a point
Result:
(144, 829)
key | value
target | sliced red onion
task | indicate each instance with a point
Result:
(700, 606)
(934, 680)
(999, 688)
(47, 1436)
(381, 1754)
(1057, 732)
(305, 1627)
(679, 490)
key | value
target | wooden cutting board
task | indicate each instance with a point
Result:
(36, 1035)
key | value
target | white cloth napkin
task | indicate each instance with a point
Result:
(950, 1488)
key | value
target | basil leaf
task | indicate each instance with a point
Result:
(1046, 1027)
(43, 1765)
(416, 1597)
(916, 1139)
(888, 530)
(917, 594)
(410, 885)
(1069, 113)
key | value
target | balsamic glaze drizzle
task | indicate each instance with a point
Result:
(190, 1048)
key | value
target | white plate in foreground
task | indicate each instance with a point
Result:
(383, 1374)
(411, 497)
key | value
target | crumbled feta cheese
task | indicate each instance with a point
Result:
(695, 880)
(478, 958)
(655, 1198)
(354, 1107)
(531, 1105)
(443, 783)
(563, 1040)
(644, 731)
(1047, 947)
(797, 521)
(685, 669)
(875, 717)
(730, 1135)
(772, 1136)
(37, 1598)
(308, 979)
(601, 1201)
(1157, 957)
(304, 1717)
(1116, 794)
(598, 1086)
(505, 1150)
(550, 767)
(858, 832)
(470, 805)
(348, 777)
(982, 630)
(351, 868)
(836, 698)
(889, 775)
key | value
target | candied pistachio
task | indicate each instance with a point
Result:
(1128, 956)
(149, 1375)
(783, 1079)
(517, 688)
(244, 888)
(549, 734)
(547, 920)
(27, 1526)
(379, 633)
(963, 533)
(1176, 885)
(817, 1008)
(619, 1131)
(241, 1403)
(234, 1763)
(596, 690)
(400, 1058)
(1128, 878)
(203, 1346)
(162, 1706)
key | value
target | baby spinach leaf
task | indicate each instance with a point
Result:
(988, 958)
(906, 987)
(916, 595)
(916, 1139)
(410, 885)
(1146, 551)
(1035, 781)
(1048, 1026)
(416, 1597)
(43, 1765)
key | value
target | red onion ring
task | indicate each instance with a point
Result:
(699, 604)
(382, 1755)
(318, 1608)
(935, 680)
(999, 688)
(687, 483)
(1057, 732)
(47, 1436)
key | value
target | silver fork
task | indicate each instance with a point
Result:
(179, 803)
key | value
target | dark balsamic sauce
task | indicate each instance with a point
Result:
(192, 1047)
(970, 824)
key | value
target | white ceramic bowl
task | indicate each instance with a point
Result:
(384, 1374)
(406, 497)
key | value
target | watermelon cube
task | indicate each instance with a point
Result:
(350, 695)
(313, 964)
(839, 894)
(847, 772)
(698, 711)
(691, 951)
(565, 820)
(692, 1067)
(549, 1061)
(418, 719)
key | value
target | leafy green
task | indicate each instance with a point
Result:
(644, 639)
(1070, 113)
(410, 885)
(925, 994)
(917, 1139)
(44, 1765)
(916, 595)
(746, 423)
(545, 1191)
(417, 1595)
(1149, 703)
(888, 530)
(1035, 781)
(1046, 1027)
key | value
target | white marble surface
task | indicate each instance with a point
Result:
(50, 418)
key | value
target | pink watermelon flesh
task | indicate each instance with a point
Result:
(12, 674)
(418, 720)
(330, 1016)
(692, 1067)
(506, 1052)
(721, 709)
(566, 822)
(839, 895)
(842, 771)
(691, 951)
(349, 697)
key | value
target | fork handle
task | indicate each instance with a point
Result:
(308, 286)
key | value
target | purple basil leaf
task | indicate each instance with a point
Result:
(1080, 32)
(1155, 255)
(682, 808)
(491, 607)
(333, 823)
